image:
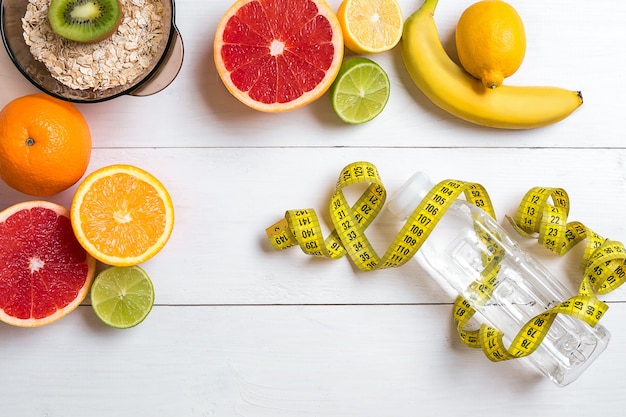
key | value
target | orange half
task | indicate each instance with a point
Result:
(122, 215)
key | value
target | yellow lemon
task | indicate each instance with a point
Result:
(490, 41)
(370, 26)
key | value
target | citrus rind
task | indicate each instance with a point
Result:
(77, 218)
(81, 294)
(121, 304)
(366, 29)
(360, 91)
(307, 97)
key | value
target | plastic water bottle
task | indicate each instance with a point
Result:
(453, 255)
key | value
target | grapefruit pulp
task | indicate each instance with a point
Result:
(44, 272)
(278, 55)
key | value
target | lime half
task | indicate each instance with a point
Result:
(122, 296)
(360, 91)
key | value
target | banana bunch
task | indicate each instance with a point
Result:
(450, 87)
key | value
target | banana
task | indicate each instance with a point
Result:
(450, 87)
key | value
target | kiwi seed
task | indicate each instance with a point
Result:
(84, 20)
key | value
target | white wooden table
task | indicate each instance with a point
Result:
(241, 330)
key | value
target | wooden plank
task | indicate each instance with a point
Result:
(570, 45)
(225, 198)
(242, 330)
(283, 361)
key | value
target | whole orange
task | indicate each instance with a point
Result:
(45, 144)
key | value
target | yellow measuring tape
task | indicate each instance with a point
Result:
(603, 260)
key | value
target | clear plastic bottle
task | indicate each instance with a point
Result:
(452, 255)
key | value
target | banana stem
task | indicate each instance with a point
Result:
(429, 6)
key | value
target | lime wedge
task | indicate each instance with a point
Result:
(122, 296)
(360, 91)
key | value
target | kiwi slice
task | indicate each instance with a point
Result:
(84, 20)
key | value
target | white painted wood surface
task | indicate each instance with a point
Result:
(241, 330)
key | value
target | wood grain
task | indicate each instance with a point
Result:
(241, 330)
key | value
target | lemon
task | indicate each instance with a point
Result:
(122, 296)
(490, 41)
(360, 91)
(370, 26)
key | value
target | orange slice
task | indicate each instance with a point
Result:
(278, 55)
(122, 215)
(370, 26)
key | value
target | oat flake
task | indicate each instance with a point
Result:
(112, 62)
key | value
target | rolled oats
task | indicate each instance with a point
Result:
(112, 62)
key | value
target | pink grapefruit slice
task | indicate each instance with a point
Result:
(278, 55)
(44, 272)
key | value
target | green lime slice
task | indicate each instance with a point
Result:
(122, 296)
(360, 91)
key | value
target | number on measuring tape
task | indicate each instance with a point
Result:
(603, 260)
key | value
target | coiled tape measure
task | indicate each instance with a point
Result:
(603, 259)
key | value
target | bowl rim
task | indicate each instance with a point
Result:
(140, 83)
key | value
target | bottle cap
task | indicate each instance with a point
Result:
(404, 201)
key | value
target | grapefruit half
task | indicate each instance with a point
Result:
(278, 55)
(44, 272)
